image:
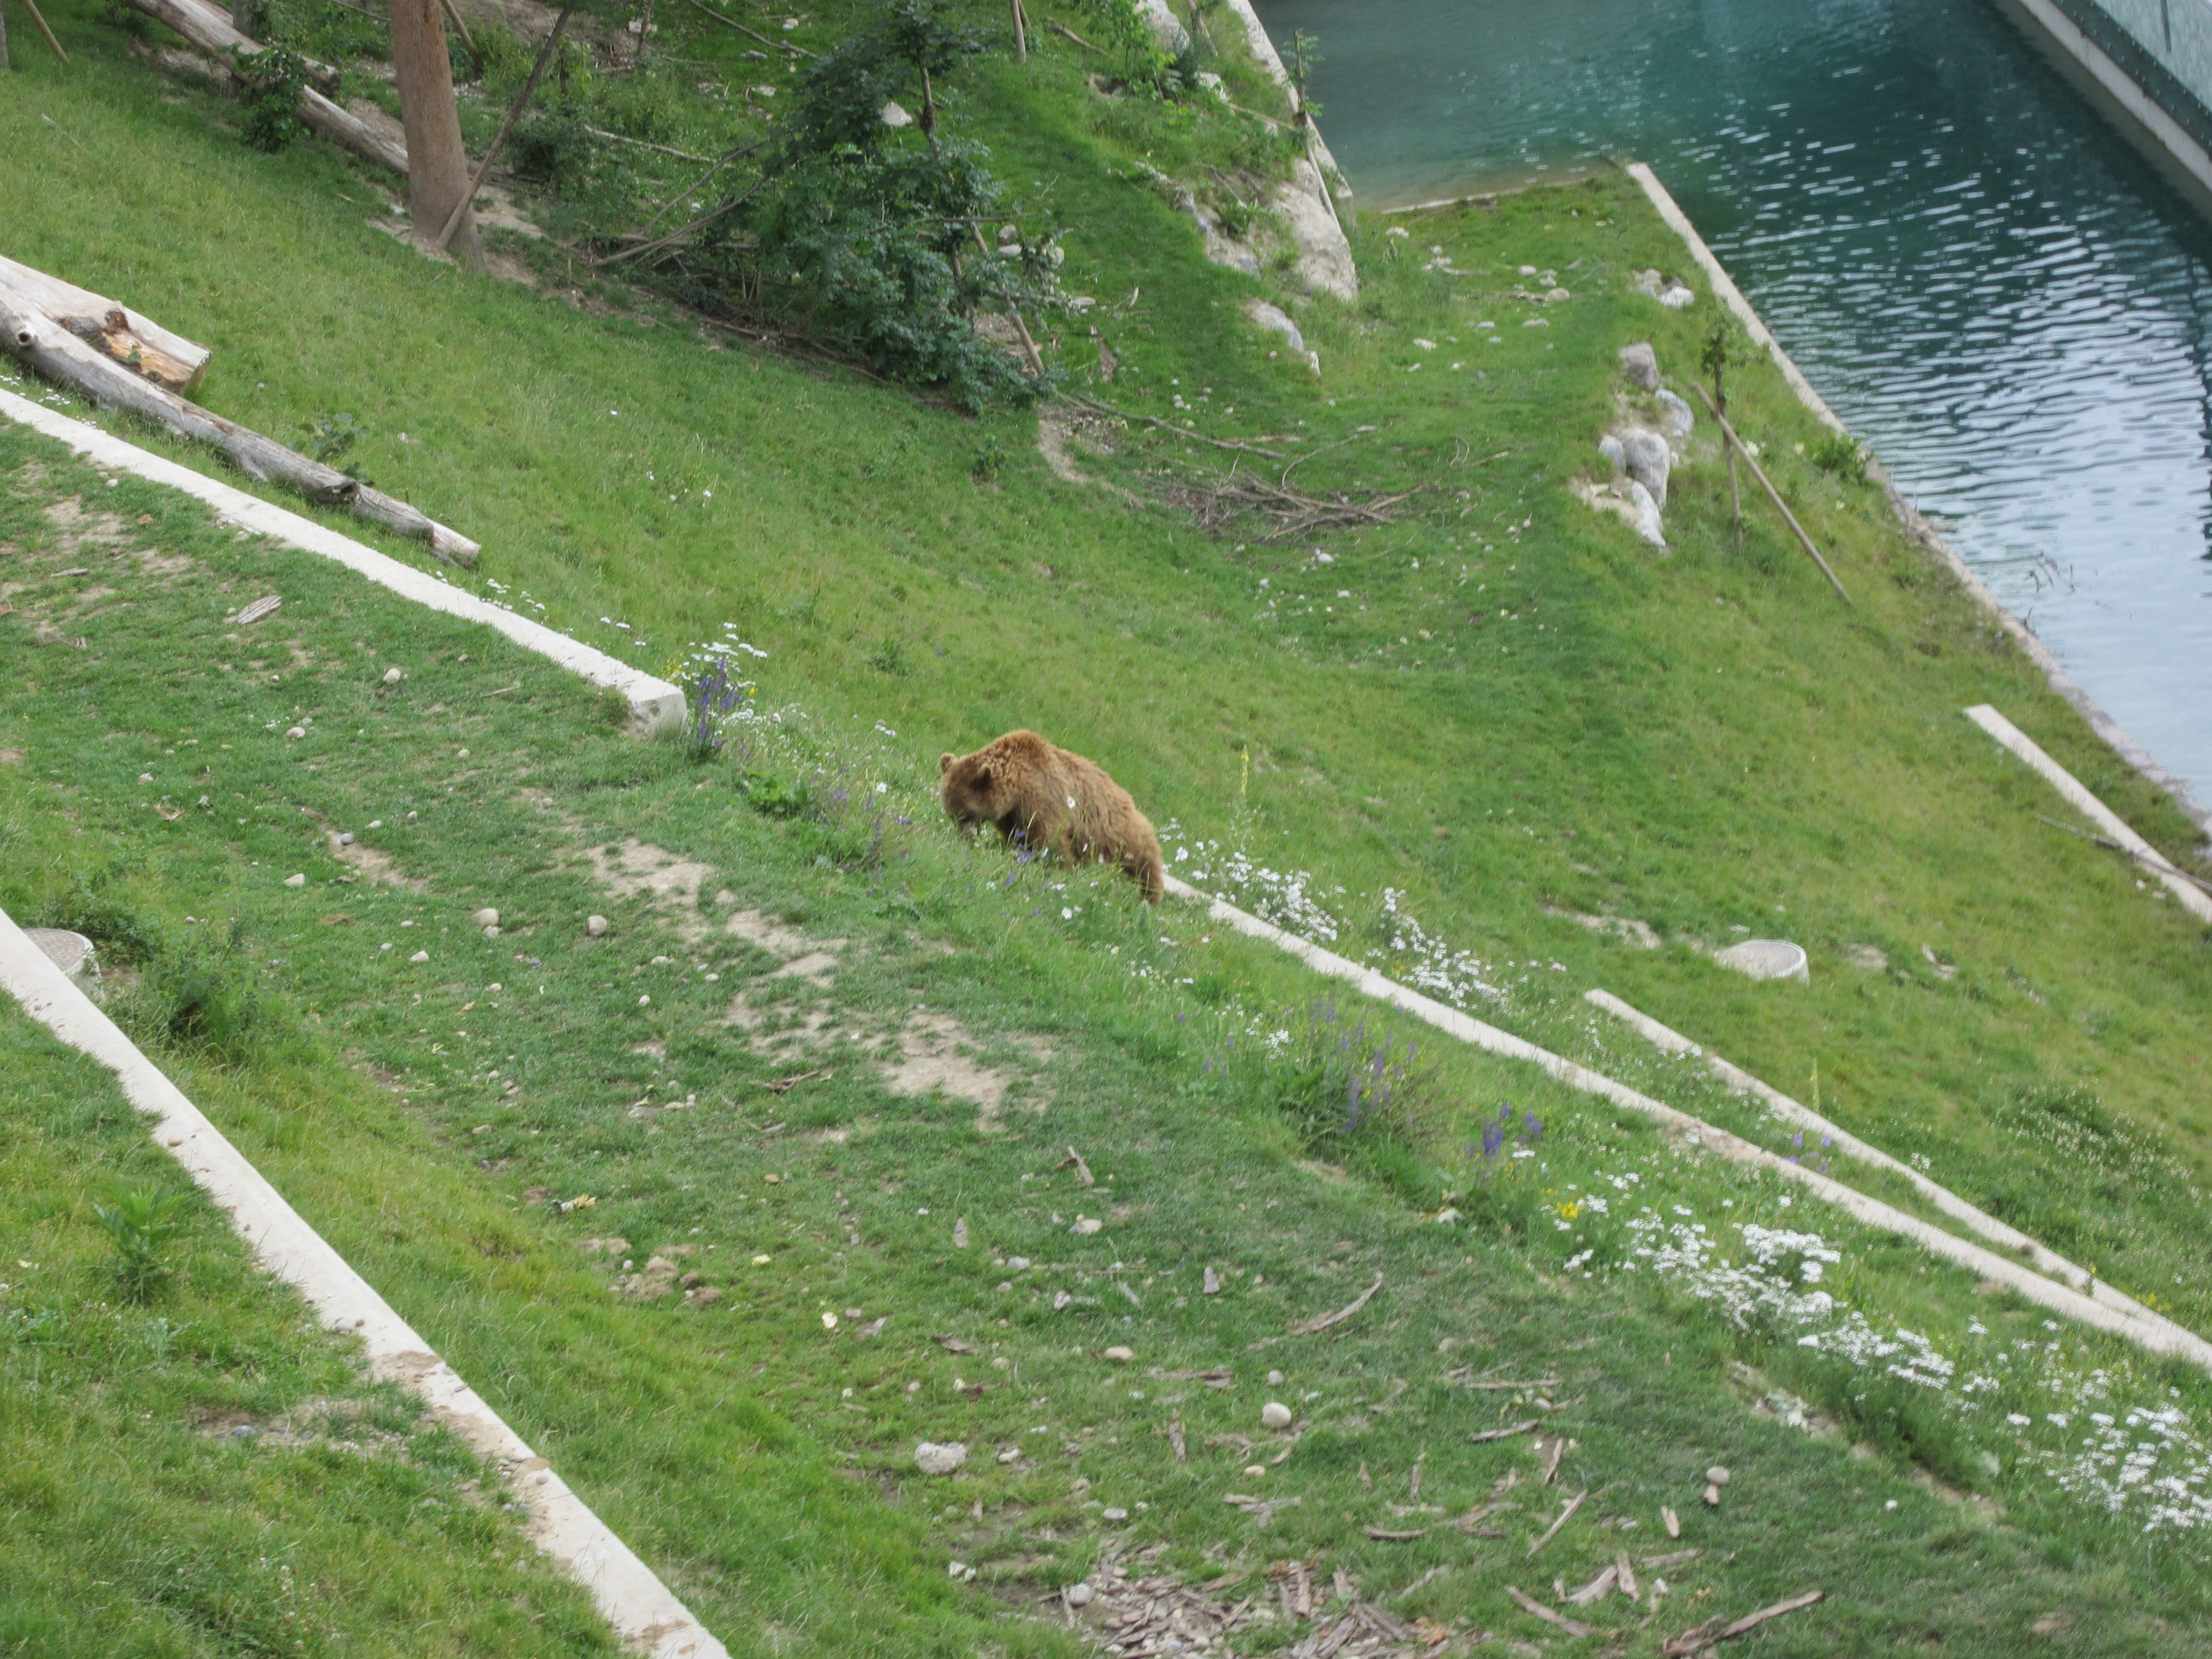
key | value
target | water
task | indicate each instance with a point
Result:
(1988, 282)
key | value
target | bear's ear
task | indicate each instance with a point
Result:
(943, 764)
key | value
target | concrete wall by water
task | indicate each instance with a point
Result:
(2152, 58)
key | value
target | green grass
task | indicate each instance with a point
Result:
(720, 1439)
(200, 1471)
(1702, 741)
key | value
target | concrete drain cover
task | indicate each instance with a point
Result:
(1768, 958)
(70, 952)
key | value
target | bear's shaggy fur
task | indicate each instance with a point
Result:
(1053, 801)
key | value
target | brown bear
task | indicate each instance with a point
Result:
(1053, 801)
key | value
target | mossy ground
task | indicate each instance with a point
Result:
(1498, 705)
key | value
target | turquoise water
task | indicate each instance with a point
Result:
(1991, 286)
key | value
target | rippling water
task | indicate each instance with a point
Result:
(1991, 287)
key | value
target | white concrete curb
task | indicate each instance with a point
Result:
(2194, 899)
(1925, 533)
(641, 1609)
(1872, 1211)
(2049, 1262)
(654, 704)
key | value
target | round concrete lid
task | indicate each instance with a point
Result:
(70, 952)
(1768, 958)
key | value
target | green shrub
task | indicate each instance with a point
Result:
(270, 82)
(141, 1221)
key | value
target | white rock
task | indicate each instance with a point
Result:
(492, 931)
(595, 926)
(893, 116)
(392, 676)
(420, 956)
(1114, 1515)
(1086, 1226)
(1768, 958)
(1121, 1356)
(486, 917)
(1678, 420)
(1263, 315)
(1274, 1379)
(1650, 459)
(1612, 449)
(933, 1459)
(1639, 366)
(1276, 1415)
(1167, 28)
(297, 732)
(1079, 1595)
(1676, 297)
(295, 880)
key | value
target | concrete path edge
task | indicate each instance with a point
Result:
(643, 1611)
(654, 704)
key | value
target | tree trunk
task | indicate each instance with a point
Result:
(437, 166)
(138, 342)
(44, 346)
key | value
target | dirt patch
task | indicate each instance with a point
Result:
(376, 866)
(639, 869)
(1625, 929)
(935, 1052)
(76, 529)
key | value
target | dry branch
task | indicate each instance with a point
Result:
(1097, 408)
(44, 346)
(211, 31)
(1529, 1604)
(498, 140)
(1291, 514)
(1321, 1322)
(1714, 1633)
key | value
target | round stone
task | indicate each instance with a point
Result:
(486, 917)
(1275, 1414)
(1079, 1595)
(1121, 1356)
(1768, 958)
(595, 926)
(1717, 1476)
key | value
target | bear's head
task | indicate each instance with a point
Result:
(969, 791)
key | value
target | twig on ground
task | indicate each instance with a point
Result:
(1505, 1433)
(1565, 1516)
(645, 143)
(1530, 1605)
(765, 39)
(1074, 1161)
(1059, 27)
(1097, 408)
(1321, 1322)
(1713, 1633)
(1507, 1388)
(2110, 846)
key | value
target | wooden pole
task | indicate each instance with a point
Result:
(1735, 494)
(1774, 495)
(1021, 34)
(468, 41)
(5, 64)
(40, 18)
(528, 90)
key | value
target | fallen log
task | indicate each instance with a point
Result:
(138, 342)
(44, 346)
(210, 31)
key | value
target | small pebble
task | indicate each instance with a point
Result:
(295, 880)
(1115, 1514)
(297, 732)
(486, 917)
(244, 1431)
(1079, 1595)
(345, 838)
(420, 956)
(1121, 1356)
(492, 931)
(1018, 1263)
(595, 926)
(1717, 1474)
(1274, 1379)
(392, 676)
(1275, 1414)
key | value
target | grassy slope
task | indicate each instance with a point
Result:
(357, 1528)
(724, 1444)
(1624, 745)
